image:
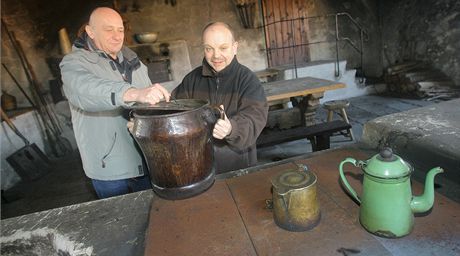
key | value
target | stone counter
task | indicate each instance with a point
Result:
(426, 137)
(113, 226)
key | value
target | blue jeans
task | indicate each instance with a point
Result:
(109, 188)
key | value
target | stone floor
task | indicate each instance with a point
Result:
(66, 184)
(361, 110)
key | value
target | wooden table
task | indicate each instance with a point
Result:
(267, 75)
(231, 218)
(304, 92)
(299, 87)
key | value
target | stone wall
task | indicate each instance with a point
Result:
(36, 25)
(423, 30)
(398, 30)
(185, 21)
(365, 13)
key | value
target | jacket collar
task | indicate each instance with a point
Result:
(86, 43)
(209, 71)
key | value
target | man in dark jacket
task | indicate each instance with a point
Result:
(224, 82)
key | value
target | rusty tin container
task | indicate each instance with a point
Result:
(175, 138)
(295, 202)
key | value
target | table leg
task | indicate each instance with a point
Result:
(308, 106)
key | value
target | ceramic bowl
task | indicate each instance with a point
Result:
(146, 37)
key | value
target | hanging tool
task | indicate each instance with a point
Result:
(8, 101)
(19, 86)
(59, 145)
(29, 162)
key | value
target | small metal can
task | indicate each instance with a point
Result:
(295, 202)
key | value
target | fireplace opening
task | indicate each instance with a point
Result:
(157, 59)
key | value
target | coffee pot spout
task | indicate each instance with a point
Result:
(424, 202)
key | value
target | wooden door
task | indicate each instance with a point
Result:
(285, 32)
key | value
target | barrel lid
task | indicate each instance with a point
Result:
(173, 104)
(293, 179)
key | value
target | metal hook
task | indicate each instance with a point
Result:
(303, 167)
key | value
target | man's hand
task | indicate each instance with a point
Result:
(223, 127)
(152, 94)
(130, 125)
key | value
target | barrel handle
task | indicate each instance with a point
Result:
(221, 111)
(344, 179)
(212, 113)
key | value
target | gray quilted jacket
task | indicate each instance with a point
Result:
(94, 87)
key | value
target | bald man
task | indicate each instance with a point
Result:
(101, 77)
(224, 82)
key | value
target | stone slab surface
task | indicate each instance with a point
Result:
(426, 137)
(114, 226)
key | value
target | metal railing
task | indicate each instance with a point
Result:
(363, 36)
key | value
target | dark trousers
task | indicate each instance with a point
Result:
(109, 188)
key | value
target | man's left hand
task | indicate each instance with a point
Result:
(152, 94)
(223, 127)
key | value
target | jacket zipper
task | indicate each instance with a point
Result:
(217, 91)
(110, 150)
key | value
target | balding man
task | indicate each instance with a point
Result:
(224, 82)
(101, 77)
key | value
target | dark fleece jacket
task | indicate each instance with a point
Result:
(239, 90)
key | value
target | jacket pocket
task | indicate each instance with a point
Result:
(112, 145)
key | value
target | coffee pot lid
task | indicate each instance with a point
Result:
(387, 165)
(293, 179)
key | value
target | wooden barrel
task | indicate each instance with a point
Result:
(177, 146)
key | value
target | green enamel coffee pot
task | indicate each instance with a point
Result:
(387, 206)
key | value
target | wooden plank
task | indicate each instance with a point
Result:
(286, 89)
(436, 232)
(267, 75)
(285, 33)
(280, 31)
(208, 224)
(265, 15)
(273, 32)
(337, 228)
(303, 31)
(326, 129)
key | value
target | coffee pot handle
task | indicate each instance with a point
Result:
(345, 181)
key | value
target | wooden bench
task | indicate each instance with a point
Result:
(318, 134)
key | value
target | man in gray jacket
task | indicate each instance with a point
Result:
(101, 77)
